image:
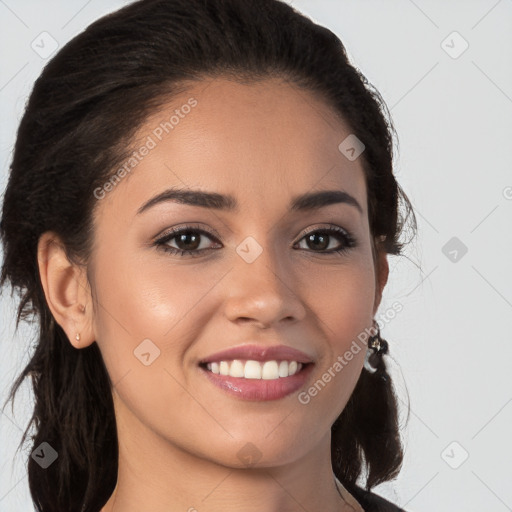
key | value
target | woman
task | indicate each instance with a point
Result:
(199, 211)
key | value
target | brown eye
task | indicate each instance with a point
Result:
(188, 241)
(320, 240)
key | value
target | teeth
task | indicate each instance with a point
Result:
(268, 370)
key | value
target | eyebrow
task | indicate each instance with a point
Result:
(304, 202)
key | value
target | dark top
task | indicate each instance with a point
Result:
(372, 502)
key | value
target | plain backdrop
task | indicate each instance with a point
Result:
(444, 69)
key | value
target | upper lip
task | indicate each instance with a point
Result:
(259, 353)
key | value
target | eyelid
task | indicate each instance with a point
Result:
(321, 227)
(187, 227)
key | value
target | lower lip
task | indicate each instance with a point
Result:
(260, 389)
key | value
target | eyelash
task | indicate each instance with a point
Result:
(161, 243)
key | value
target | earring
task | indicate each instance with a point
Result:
(377, 347)
(77, 337)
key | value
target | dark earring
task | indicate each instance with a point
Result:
(377, 347)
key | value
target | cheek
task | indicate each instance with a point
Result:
(144, 323)
(148, 298)
(344, 307)
(343, 299)
(343, 304)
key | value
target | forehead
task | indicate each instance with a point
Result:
(262, 142)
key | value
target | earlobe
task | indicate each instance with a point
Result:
(66, 290)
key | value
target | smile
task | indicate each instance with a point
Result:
(267, 370)
(265, 381)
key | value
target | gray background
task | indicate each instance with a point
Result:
(450, 344)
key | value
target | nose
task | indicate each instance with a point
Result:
(263, 291)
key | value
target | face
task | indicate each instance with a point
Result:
(253, 271)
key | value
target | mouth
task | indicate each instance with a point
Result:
(258, 381)
(257, 372)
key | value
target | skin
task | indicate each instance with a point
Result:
(179, 435)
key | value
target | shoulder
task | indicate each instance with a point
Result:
(372, 502)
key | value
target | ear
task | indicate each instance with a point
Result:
(66, 289)
(381, 275)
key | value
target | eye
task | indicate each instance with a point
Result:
(188, 239)
(320, 240)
